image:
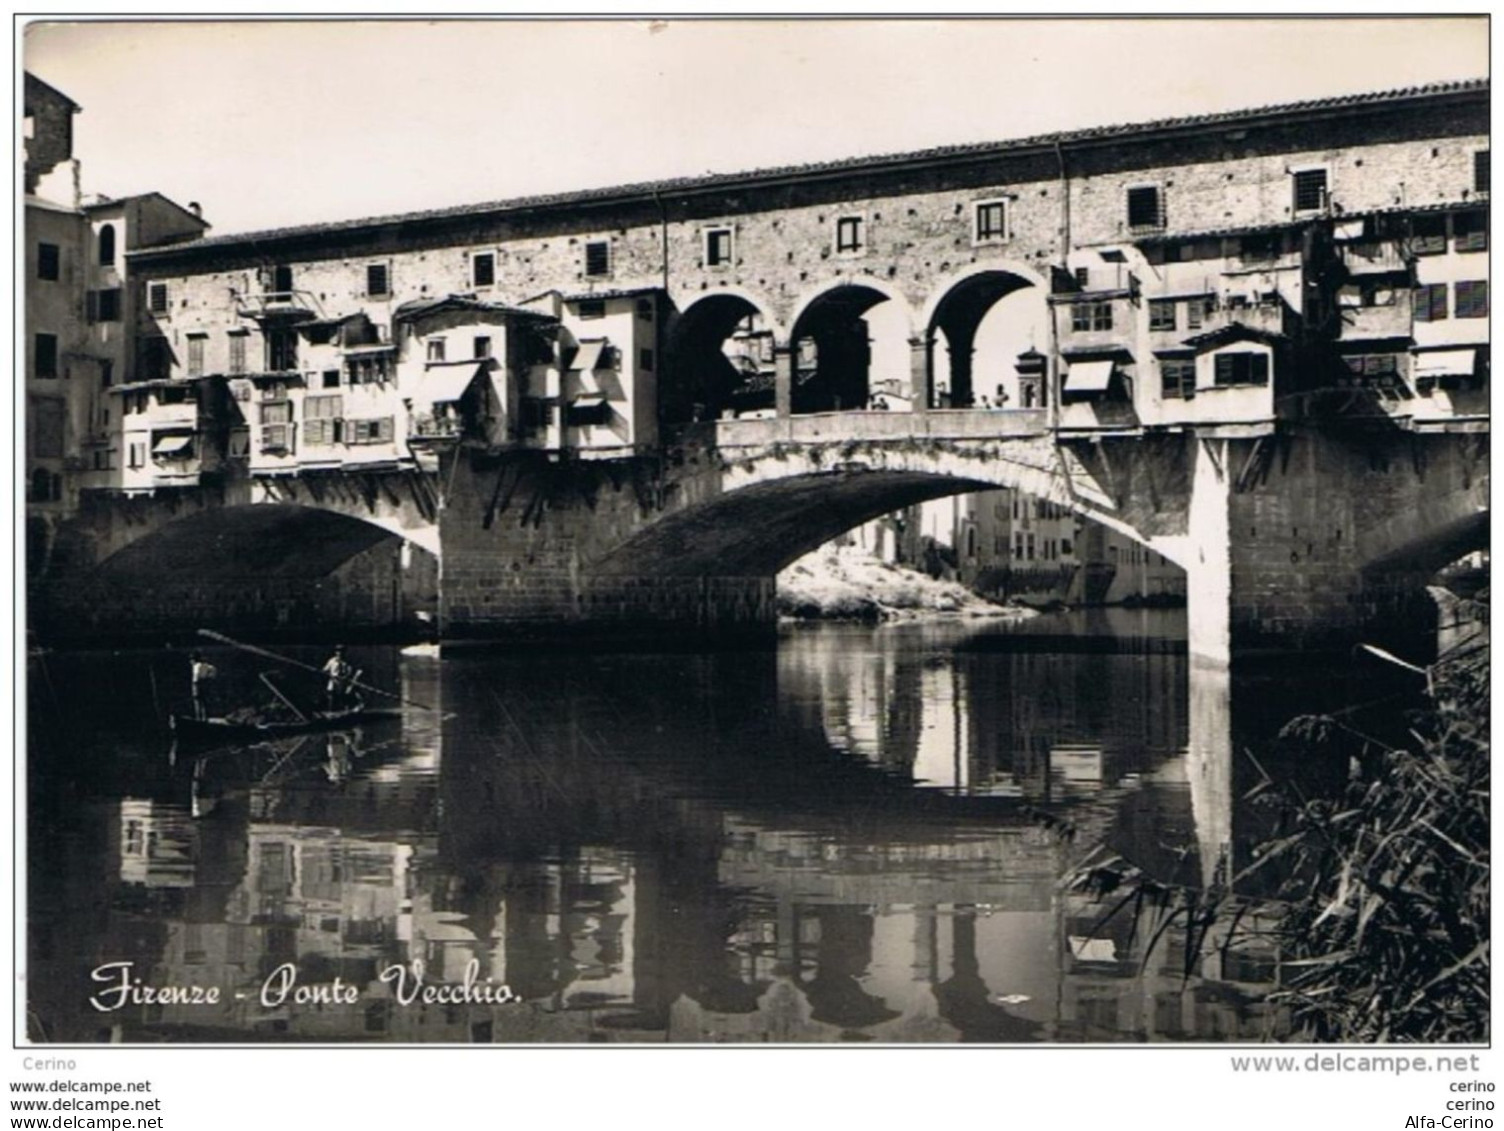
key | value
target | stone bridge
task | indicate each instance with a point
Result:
(1299, 538)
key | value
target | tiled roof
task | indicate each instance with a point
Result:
(845, 165)
(424, 307)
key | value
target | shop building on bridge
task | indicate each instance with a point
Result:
(1219, 272)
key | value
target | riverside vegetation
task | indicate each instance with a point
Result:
(1376, 905)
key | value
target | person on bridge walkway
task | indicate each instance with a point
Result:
(200, 673)
(341, 678)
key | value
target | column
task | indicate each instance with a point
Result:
(783, 381)
(920, 351)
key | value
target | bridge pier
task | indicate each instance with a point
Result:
(1314, 541)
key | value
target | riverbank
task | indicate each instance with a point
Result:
(850, 584)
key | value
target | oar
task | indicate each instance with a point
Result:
(255, 651)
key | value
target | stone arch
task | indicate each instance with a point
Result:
(256, 539)
(702, 377)
(838, 362)
(956, 311)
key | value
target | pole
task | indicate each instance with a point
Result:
(255, 651)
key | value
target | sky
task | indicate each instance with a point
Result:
(275, 123)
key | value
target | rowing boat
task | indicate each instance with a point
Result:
(187, 729)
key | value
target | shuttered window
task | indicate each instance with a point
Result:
(1472, 299)
(1178, 378)
(378, 430)
(1480, 171)
(1428, 235)
(1242, 369)
(1162, 314)
(483, 269)
(1145, 208)
(378, 280)
(597, 258)
(1470, 231)
(1431, 302)
(1310, 190)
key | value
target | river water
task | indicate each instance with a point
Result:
(859, 836)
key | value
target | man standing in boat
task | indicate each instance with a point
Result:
(341, 677)
(200, 673)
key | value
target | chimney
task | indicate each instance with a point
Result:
(196, 208)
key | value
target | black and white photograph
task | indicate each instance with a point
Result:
(682, 531)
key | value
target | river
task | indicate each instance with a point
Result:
(859, 836)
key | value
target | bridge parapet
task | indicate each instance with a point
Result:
(859, 427)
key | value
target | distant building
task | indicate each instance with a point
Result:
(81, 345)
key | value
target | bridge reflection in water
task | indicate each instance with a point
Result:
(859, 837)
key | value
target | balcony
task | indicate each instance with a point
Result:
(432, 428)
(1364, 323)
(1374, 258)
(279, 306)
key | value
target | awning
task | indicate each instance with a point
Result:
(442, 385)
(588, 396)
(1089, 376)
(589, 356)
(1445, 363)
(172, 445)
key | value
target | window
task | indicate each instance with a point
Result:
(645, 360)
(330, 379)
(1242, 369)
(991, 218)
(435, 349)
(1310, 190)
(1083, 278)
(375, 431)
(196, 355)
(49, 262)
(1086, 316)
(1480, 171)
(44, 356)
(717, 247)
(107, 246)
(1197, 310)
(849, 233)
(597, 258)
(1428, 235)
(47, 417)
(106, 379)
(276, 412)
(107, 305)
(321, 419)
(156, 298)
(1146, 210)
(1372, 368)
(1431, 302)
(378, 280)
(1472, 299)
(593, 308)
(1470, 231)
(645, 309)
(237, 352)
(281, 350)
(483, 269)
(482, 348)
(369, 370)
(1162, 314)
(1178, 378)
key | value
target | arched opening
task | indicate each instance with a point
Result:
(720, 361)
(986, 324)
(851, 352)
(107, 245)
(266, 569)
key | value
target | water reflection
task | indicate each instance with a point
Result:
(858, 838)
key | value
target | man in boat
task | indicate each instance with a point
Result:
(200, 673)
(341, 678)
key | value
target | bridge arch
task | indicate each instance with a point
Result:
(850, 339)
(986, 315)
